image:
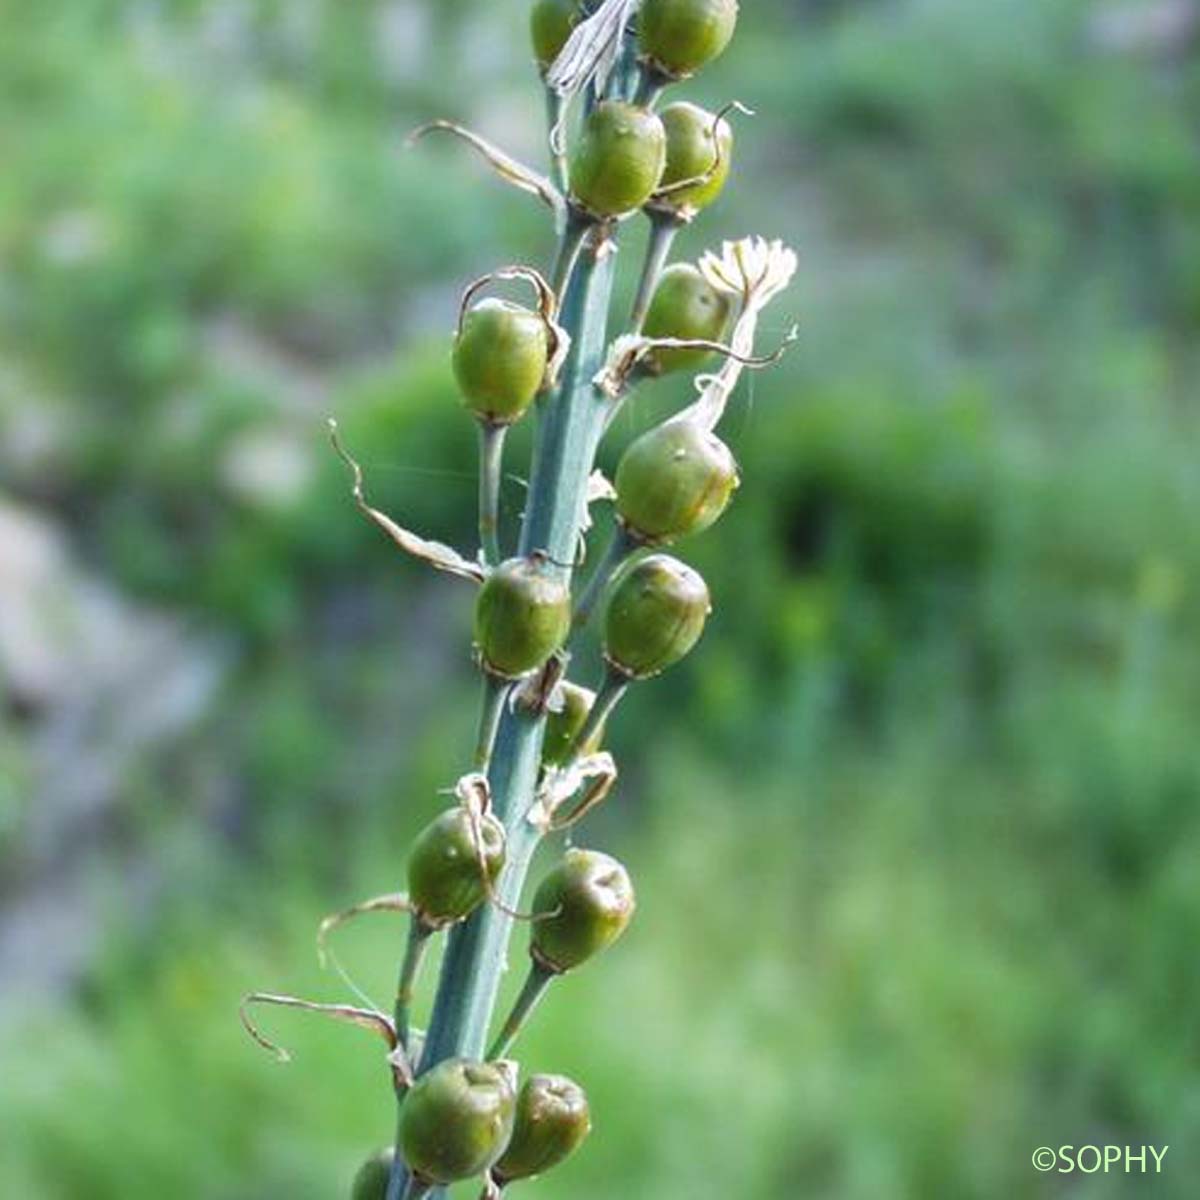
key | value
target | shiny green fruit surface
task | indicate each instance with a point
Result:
(500, 358)
(589, 900)
(551, 1123)
(698, 147)
(522, 615)
(550, 24)
(618, 160)
(372, 1179)
(445, 882)
(681, 36)
(685, 306)
(675, 479)
(456, 1120)
(563, 726)
(655, 616)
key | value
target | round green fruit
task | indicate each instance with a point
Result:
(500, 358)
(656, 615)
(445, 883)
(550, 25)
(552, 1120)
(678, 37)
(619, 159)
(522, 615)
(563, 726)
(675, 479)
(456, 1121)
(590, 902)
(685, 306)
(699, 146)
(372, 1179)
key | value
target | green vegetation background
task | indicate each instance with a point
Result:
(915, 834)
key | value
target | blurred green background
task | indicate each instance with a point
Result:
(916, 833)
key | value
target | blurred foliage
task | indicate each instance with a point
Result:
(928, 796)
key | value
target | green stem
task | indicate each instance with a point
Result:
(571, 425)
(536, 983)
(650, 86)
(663, 231)
(491, 467)
(491, 710)
(615, 686)
(576, 231)
(414, 954)
(620, 546)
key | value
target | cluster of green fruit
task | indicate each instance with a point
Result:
(460, 1119)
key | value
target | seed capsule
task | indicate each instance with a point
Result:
(697, 144)
(563, 727)
(685, 305)
(372, 1179)
(522, 615)
(590, 899)
(618, 160)
(550, 24)
(551, 1123)
(456, 1121)
(500, 358)
(655, 616)
(680, 36)
(675, 479)
(445, 883)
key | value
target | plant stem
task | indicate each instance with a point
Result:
(491, 709)
(620, 546)
(536, 983)
(615, 686)
(414, 954)
(663, 230)
(577, 228)
(491, 467)
(571, 424)
(650, 86)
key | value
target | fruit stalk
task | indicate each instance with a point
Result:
(618, 550)
(491, 468)
(663, 231)
(414, 955)
(611, 691)
(536, 983)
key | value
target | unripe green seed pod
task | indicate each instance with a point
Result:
(456, 1120)
(551, 1123)
(550, 24)
(681, 36)
(618, 160)
(655, 616)
(686, 306)
(675, 479)
(522, 615)
(591, 901)
(563, 727)
(445, 883)
(500, 358)
(372, 1179)
(697, 143)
